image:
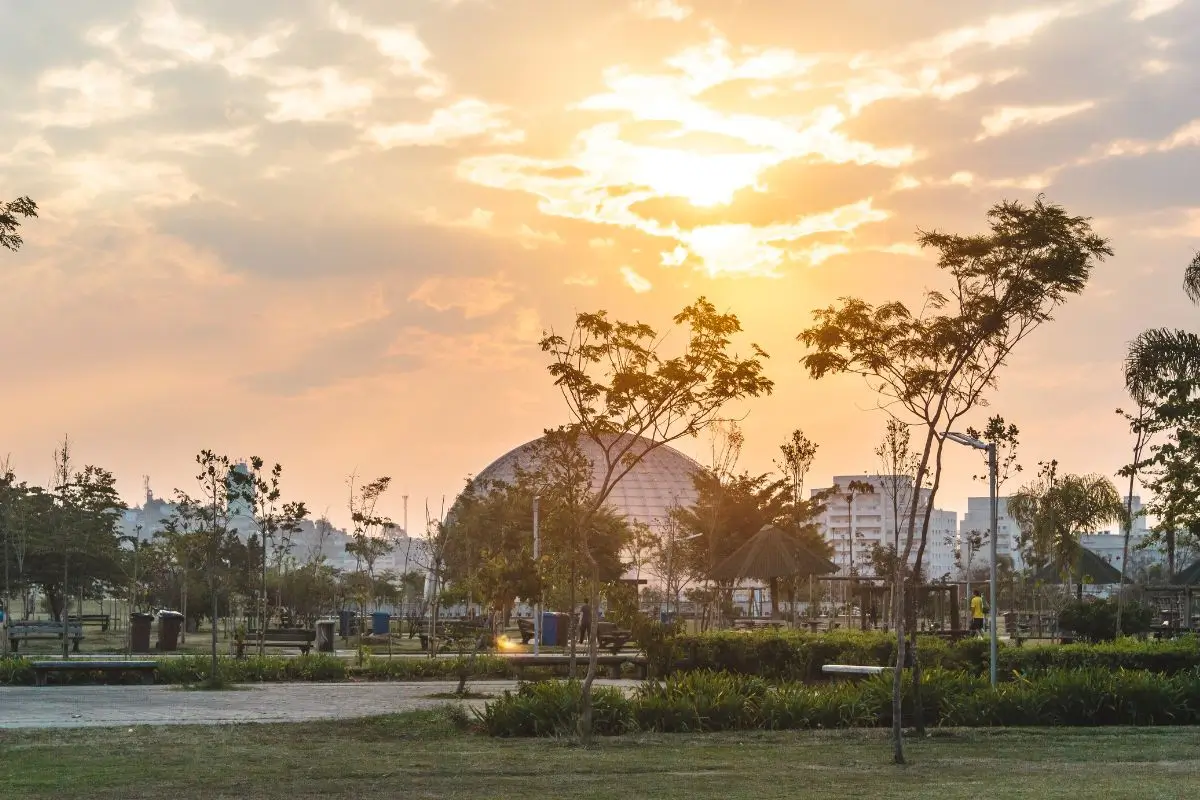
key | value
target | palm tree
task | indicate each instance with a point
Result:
(1162, 374)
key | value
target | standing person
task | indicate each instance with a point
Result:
(977, 613)
(585, 622)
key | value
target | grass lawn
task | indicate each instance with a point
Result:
(423, 755)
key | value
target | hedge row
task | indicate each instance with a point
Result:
(275, 669)
(705, 701)
(799, 656)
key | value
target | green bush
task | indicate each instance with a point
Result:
(799, 656)
(1096, 620)
(703, 702)
(551, 708)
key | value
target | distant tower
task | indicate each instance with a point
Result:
(149, 494)
(243, 504)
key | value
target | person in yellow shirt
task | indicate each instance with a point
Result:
(977, 612)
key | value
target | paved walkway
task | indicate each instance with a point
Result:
(112, 706)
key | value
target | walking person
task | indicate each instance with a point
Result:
(977, 613)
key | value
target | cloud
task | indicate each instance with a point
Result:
(1145, 9)
(465, 119)
(93, 94)
(662, 9)
(635, 281)
(1009, 118)
(474, 297)
(407, 54)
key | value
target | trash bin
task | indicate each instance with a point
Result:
(139, 631)
(381, 623)
(325, 635)
(549, 628)
(345, 618)
(169, 623)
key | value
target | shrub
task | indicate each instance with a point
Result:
(799, 656)
(1096, 620)
(551, 708)
(702, 702)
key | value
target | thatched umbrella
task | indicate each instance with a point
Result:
(1088, 568)
(769, 555)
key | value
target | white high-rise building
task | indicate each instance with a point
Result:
(977, 523)
(876, 521)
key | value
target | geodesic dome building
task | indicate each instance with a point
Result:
(661, 480)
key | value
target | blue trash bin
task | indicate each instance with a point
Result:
(549, 629)
(344, 619)
(381, 623)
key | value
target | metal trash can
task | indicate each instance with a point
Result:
(325, 629)
(381, 623)
(139, 631)
(169, 623)
(345, 618)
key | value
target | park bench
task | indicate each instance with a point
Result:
(458, 635)
(43, 669)
(279, 637)
(91, 619)
(851, 670)
(612, 662)
(525, 626)
(27, 630)
(611, 637)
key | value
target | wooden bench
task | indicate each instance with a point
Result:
(91, 619)
(43, 669)
(26, 630)
(953, 636)
(611, 637)
(464, 635)
(611, 662)
(525, 626)
(279, 637)
(851, 670)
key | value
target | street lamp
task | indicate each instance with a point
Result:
(537, 608)
(990, 447)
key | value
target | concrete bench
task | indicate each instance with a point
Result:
(43, 669)
(851, 670)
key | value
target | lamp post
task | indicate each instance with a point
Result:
(537, 608)
(990, 448)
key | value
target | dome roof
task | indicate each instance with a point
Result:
(662, 479)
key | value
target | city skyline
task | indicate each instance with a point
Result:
(331, 234)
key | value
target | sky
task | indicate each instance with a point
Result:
(332, 233)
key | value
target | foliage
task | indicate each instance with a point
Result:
(799, 656)
(10, 222)
(708, 702)
(551, 708)
(628, 398)
(1162, 376)
(1053, 511)
(935, 365)
(1096, 620)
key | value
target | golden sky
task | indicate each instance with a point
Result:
(330, 234)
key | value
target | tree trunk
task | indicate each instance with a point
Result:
(899, 615)
(183, 601)
(571, 629)
(585, 693)
(1125, 550)
(773, 587)
(212, 588)
(66, 652)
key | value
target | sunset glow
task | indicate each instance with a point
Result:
(355, 219)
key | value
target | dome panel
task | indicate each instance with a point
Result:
(662, 479)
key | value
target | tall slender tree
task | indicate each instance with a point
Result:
(935, 364)
(629, 398)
